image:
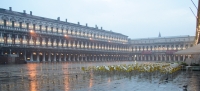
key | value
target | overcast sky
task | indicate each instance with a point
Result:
(134, 18)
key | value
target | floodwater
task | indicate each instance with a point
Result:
(68, 76)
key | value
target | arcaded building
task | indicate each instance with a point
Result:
(161, 48)
(30, 38)
(35, 39)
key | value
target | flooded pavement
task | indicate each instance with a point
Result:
(68, 76)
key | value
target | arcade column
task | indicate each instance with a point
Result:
(49, 57)
(54, 58)
(25, 55)
(65, 57)
(31, 57)
(43, 57)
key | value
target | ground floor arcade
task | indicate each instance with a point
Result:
(160, 57)
(37, 55)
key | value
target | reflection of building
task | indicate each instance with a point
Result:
(34, 38)
(161, 48)
(32, 75)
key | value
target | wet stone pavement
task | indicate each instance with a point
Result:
(69, 77)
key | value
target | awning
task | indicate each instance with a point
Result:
(191, 50)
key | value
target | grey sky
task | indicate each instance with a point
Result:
(134, 18)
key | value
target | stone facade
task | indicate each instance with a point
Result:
(35, 39)
(161, 48)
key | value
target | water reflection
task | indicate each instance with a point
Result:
(66, 77)
(91, 80)
(109, 80)
(69, 77)
(32, 72)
